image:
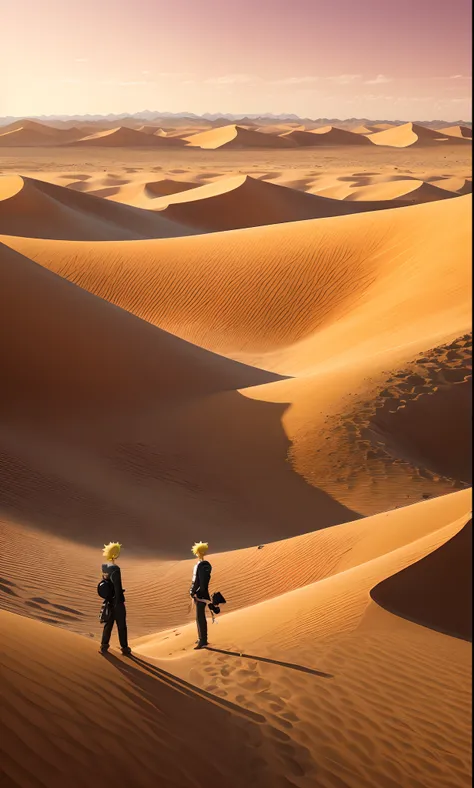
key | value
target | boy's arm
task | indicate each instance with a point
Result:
(203, 576)
(116, 578)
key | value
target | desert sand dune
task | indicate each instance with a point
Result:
(325, 136)
(35, 135)
(243, 201)
(316, 556)
(299, 394)
(46, 701)
(31, 125)
(458, 131)
(44, 210)
(364, 130)
(356, 651)
(180, 282)
(158, 130)
(236, 137)
(144, 194)
(125, 137)
(412, 134)
(412, 284)
(109, 345)
(411, 190)
(436, 591)
(290, 622)
(291, 663)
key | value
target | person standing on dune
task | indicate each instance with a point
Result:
(111, 572)
(200, 591)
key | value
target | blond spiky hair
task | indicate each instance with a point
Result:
(200, 549)
(111, 550)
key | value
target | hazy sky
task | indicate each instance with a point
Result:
(394, 59)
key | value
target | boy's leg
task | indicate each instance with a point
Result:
(107, 631)
(201, 622)
(121, 619)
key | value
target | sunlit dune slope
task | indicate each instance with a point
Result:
(145, 194)
(244, 291)
(411, 190)
(311, 558)
(43, 210)
(236, 137)
(458, 131)
(412, 134)
(291, 622)
(371, 423)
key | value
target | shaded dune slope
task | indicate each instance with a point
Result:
(115, 358)
(142, 426)
(329, 136)
(437, 590)
(37, 209)
(244, 201)
(32, 134)
(128, 138)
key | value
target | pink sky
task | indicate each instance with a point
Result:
(393, 59)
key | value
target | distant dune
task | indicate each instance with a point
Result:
(412, 134)
(36, 135)
(236, 137)
(123, 137)
(244, 201)
(43, 210)
(458, 131)
(410, 190)
(327, 135)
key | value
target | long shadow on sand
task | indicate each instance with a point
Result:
(290, 665)
(137, 669)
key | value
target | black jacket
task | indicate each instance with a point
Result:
(201, 578)
(113, 571)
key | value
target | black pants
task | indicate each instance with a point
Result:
(201, 621)
(118, 617)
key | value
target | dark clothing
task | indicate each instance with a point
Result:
(113, 571)
(119, 614)
(201, 622)
(201, 579)
(200, 589)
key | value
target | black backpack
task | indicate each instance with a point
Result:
(105, 589)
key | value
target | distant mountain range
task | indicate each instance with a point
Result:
(213, 117)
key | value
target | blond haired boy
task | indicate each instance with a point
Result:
(111, 571)
(199, 591)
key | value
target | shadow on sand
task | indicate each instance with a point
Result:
(139, 670)
(290, 665)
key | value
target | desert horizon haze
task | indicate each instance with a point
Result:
(311, 58)
(236, 355)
